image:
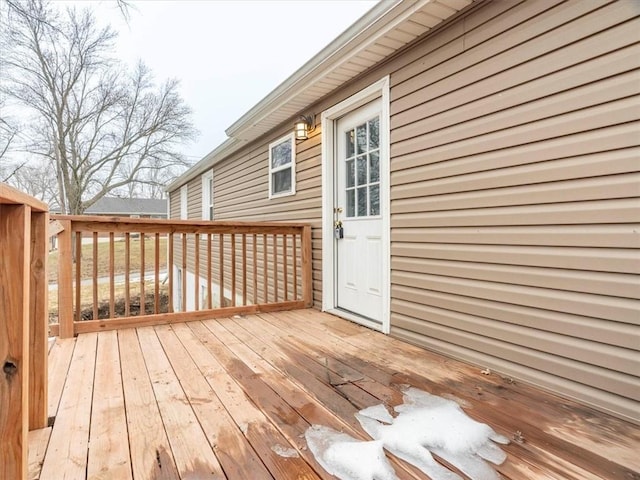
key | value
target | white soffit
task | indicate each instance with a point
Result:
(381, 32)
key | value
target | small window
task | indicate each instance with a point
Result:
(207, 196)
(282, 167)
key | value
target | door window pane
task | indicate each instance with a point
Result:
(362, 202)
(351, 202)
(350, 146)
(374, 133)
(362, 169)
(374, 200)
(374, 167)
(361, 138)
(351, 173)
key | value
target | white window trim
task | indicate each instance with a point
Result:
(379, 89)
(207, 202)
(290, 138)
(184, 199)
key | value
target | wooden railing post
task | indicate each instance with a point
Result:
(307, 268)
(15, 231)
(65, 282)
(38, 321)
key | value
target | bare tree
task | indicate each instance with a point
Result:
(100, 127)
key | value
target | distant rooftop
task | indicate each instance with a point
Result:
(128, 206)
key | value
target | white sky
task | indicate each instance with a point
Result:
(227, 54)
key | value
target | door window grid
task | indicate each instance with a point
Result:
(362, 185)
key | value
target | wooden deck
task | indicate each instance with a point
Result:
(232, 399)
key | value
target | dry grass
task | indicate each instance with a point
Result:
(86, 262)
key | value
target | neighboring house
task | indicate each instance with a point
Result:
(483, 160)
(129, 207)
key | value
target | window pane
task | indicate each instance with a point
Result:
(362, 169)
(362, 202)
(351, 173)
(281, 154)
(361, 138)
(351, 203)
(374, 200)
(350, 147)
(374, 167)
(374, 133)
(281, 181)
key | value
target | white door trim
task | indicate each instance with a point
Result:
(379, 89)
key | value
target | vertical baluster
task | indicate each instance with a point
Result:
(127, 271)
(156, 293)
(78, 275)
(285, 273)
(265, 276)
(244, 269)
(209, 267)
(95, 275)
(233, 269)
(221, 272)
(170, 270)
(255, 269)
(111, 276)
(275, 267)
(197, 271)
(142, 270)
(184, 272)
(295, 267)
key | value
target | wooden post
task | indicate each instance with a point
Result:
(65, 282)
(15, 230)
(307, 268)
(38, 321)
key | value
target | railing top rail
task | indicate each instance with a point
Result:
(85, 223)
(9, 195)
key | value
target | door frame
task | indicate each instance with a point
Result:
(378, 90)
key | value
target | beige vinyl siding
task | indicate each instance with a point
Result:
(174, 204)
(515, 197)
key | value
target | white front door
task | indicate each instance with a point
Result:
(358, 190)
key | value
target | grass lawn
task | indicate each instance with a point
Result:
(86, 263)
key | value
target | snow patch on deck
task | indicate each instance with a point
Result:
(423, 424)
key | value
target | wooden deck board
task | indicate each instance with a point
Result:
(108, 438)
(231, 399)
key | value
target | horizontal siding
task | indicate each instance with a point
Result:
(515, 198)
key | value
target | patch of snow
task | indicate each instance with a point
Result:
(424, 424)
(428, 423)
(377, 412)
(348, 458)
(286, 452)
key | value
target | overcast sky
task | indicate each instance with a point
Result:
(227, 54)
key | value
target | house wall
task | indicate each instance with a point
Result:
(514, 194)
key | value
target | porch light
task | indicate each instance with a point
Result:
(303, 126)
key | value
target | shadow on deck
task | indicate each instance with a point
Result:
(232, 398)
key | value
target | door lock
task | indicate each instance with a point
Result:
(337, 210)
(338, 230)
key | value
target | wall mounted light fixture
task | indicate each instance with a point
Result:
(303, 126)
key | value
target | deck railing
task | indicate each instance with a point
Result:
(187, 269)
(23, 326)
